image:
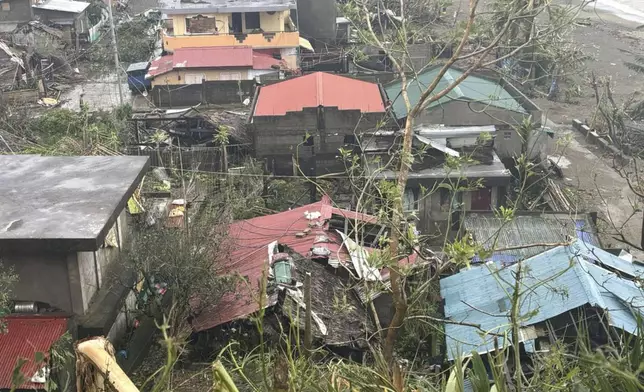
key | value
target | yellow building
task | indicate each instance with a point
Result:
(263, 24)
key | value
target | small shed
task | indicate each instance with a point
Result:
(68, 15)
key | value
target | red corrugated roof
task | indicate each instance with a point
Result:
(250, 239)
(318, 89)
(27, 335)
(212, 57)
(263, 61)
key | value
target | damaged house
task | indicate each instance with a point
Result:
(438, 188)
(284, 247)
(584, 283)
(186, 137)
(479, 100)
(69, 16)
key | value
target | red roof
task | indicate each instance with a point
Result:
(27, 335)
(213, 57)
(250, 255)
(319, 89)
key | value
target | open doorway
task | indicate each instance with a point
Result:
(236, 25)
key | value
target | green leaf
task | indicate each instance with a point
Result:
(39, 357)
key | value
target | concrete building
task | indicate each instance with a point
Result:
(264, 24)
(436, 192)
(69, 16)
(328, 108)
(13, 13)
(218, 63)
(63, 225)
(477, 101)
(316, 20)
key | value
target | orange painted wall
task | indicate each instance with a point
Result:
(280, 40)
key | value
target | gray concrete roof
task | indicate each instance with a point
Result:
(171, 7)
(494, 170)
(66, 202)
(74, 7)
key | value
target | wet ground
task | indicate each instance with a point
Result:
(594, 185)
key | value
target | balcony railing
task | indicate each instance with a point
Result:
(281, 39)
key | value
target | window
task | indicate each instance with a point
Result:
(410, 200)
(350, 140)
(192, 78)
(507, 135)
(446, 197)
(201, 25)
(252, 20)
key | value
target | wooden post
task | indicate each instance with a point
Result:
(308, 335)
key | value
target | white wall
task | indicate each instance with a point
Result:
(94, 267)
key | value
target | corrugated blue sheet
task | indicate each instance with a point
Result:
(480, 296)
(584, 233)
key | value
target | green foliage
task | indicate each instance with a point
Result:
(136, 39)
(67, 132)
(8, 279)
(185, 260)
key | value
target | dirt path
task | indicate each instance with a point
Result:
(596, 186)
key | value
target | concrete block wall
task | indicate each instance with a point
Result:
(278, 139)
(603, 143)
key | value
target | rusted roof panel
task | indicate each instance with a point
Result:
(213, 57)
(319, 89)
(250, 239)
(27, 335)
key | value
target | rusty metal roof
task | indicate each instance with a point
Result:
(27, 335)
(212, 57)
(319, 89)
(250, 239)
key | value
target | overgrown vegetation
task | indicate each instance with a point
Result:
(136, 39)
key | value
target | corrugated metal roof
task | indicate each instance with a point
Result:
(249, 241)
(473, 89)
(27, 335)
(213, 57)
(479, 296)
(75, 7)
(550, 228)
(318, 89)
(142, 66)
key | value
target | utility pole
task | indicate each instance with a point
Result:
(116, 52)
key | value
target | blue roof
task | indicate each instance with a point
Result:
(472, 89)
(481, 295)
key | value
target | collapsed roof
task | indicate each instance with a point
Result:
(554, 282)
(305, 231)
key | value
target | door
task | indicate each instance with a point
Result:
(482, 199)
